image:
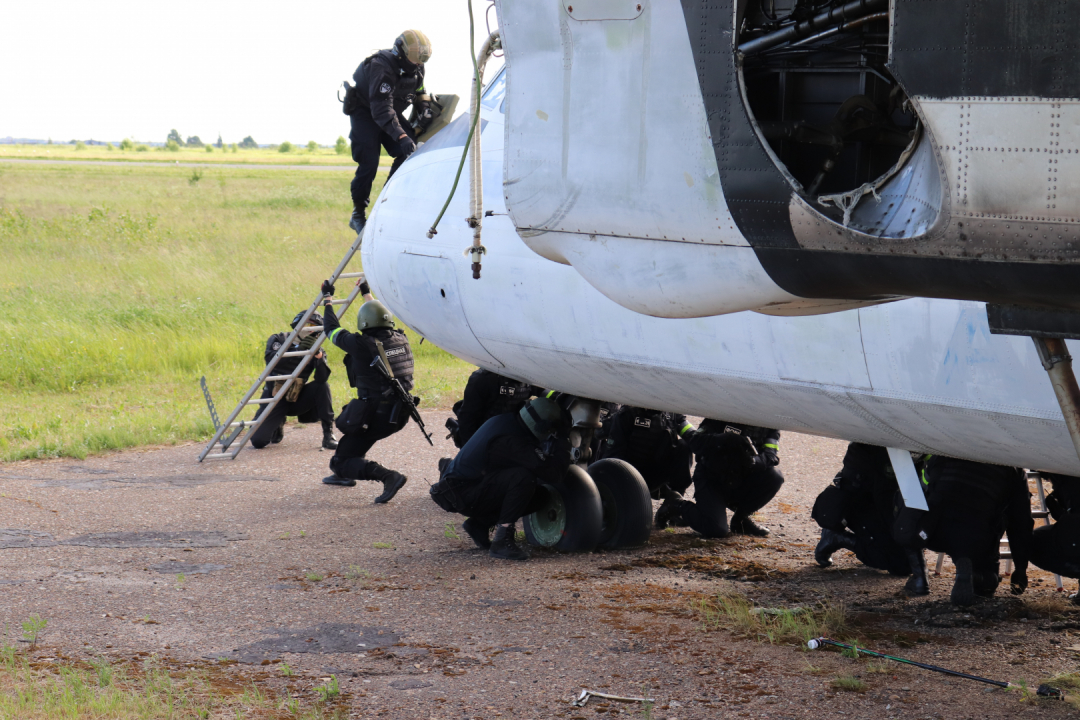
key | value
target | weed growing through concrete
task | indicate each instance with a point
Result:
(849, 683)
(32, 628)
(328, 691)
(450, 532)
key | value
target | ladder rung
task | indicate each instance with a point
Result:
(350, 275)
(275, 378)
(215, 456)
(297, 353)
(261, 401)
(339, 302)
(1039, 514)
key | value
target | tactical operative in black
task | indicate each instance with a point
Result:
(487, 394)
(736, 470)
(971, 506)
(387, 84)
(493, 480)
(653, 442)
(376, 413)
(1056, 548)
(307, 399)
(856, 513)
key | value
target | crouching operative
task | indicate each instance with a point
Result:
(856, 513)
(971, 506)
(654, 442)
(377, 412)
(487, 394)
(493, 480)
(736, 470)
(308, 397)
(1056, 548)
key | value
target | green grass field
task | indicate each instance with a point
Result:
(300, 155)
(123, 285)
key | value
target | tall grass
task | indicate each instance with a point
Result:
(121, 286)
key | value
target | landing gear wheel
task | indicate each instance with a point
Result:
(626, 504)
(570, 514)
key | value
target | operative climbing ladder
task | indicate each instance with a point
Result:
(231, 436)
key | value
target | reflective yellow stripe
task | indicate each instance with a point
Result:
(923, 473)
(334, 334)
(550, 394)
(685, 428)
(772, 446)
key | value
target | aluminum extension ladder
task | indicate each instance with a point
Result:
(1003, 547)
(231, 436)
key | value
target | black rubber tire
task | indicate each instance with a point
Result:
(572, 518)
(627, 506)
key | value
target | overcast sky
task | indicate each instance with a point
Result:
(109, 70)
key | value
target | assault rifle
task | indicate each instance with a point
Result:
(383, 365)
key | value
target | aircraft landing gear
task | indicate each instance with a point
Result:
(607, 506)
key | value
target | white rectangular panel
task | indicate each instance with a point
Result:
(907, 478)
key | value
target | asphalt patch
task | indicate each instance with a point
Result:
(18, 538)
(409, 684)
(325, 638)
(176, 568)
(154, 539)
(104, 479)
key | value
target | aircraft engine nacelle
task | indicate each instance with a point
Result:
(695, 158)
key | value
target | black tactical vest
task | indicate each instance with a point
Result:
(509, 395)
(650, 432)
(369, 381)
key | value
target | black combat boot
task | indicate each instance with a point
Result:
(391, 479)
(670, 511)
(279, 433)
(743, 525)
(918, 583)
(830, 542)
(985, 584)
(328, 441)
(504, 546)
(963, 589)
(336, 479)
(479, 533)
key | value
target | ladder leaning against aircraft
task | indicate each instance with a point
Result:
(232, 435)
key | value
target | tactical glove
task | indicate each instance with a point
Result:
(365, 289)
(770, 457)
(407, 145)
(327, 288)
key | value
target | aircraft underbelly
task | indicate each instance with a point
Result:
(918, 374)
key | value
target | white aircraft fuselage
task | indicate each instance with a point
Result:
(617, 269)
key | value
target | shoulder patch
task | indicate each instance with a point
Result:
(731, 429)
(642, 422)
(385, 88)
(276, 346)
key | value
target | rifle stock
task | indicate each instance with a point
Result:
(382, 365)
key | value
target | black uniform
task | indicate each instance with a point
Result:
(1056, 548)
(376, 413)
(652, 441)
(858, 507)
(494, 478)
(386, 85)
(736, 470)
(971, 505)
(314, 403)
(487, 394)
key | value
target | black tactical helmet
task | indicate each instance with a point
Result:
(543, 416)
(373, 314)
(313, 320)
(413, 46)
